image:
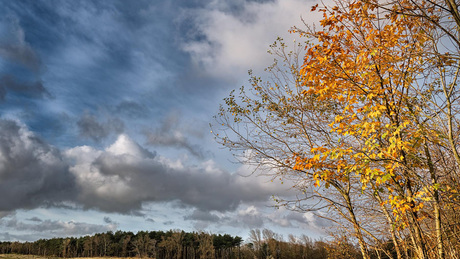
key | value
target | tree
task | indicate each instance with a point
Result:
(366, 124)
(143, 245)
(205, 248)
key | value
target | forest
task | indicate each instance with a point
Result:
(178, 244)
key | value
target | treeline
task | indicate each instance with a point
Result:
(183, 245)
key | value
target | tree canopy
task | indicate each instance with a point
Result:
(362, 116)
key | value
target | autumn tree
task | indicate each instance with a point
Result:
(205, 248)
(364, 121)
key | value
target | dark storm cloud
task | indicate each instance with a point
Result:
(91, 127)
(32, 173)
(125, 175)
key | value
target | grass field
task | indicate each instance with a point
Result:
(17, 256)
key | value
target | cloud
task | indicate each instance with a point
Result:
(280, 218)
(21, 67)
(11, 237)
(56, 227)
(108, 220)
(173, 132)
(14, 47)
(32, 173)
(6, 213)
(250, 217)
(309, 220)
(35, 219)
(90, 127)
(124, 59)
(120, 178)
(124, 176)
(32, 90)
(227, 41)
(202, 216)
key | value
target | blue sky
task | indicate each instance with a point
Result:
(105, 109)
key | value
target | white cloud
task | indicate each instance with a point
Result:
(237, 41)
(125, 175)
(249, 211)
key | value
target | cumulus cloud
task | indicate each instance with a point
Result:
(32, 173)
(120, 178)
(124, 176)
(91, 127)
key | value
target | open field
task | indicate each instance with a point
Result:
(18, 256)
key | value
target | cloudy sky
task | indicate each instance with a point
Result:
(105, 109)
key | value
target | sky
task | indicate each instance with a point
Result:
(105, 109)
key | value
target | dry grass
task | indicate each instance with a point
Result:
(17, 256)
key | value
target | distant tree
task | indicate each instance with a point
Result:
(206, 247)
